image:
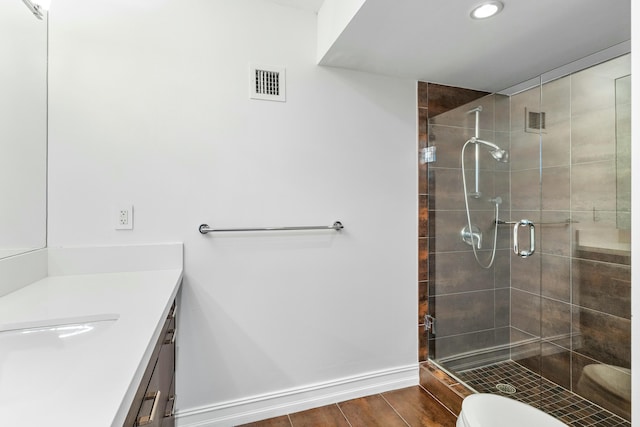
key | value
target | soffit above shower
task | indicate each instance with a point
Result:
(308, 5)
(435, 40)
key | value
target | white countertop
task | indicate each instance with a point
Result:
(87, 379)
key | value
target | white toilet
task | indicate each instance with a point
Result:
(490, 410)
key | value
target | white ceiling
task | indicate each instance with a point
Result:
(437, 41)
(309, 5)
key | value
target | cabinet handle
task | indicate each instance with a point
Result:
(148, 419)
(170, 337)
(169, 408)
(172, 312)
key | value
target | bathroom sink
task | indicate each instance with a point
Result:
(58, 322)
(46, 351)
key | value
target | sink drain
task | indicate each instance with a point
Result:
(506, 388)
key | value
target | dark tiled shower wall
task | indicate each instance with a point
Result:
(580, 306)
(433, 99)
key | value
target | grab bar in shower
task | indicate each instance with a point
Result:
(565, 222)
(337, 225)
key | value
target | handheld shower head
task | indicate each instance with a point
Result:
(500, 155)
(496, 152)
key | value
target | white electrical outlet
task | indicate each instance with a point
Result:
(123, 215)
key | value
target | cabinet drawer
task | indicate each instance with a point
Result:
(148, 406)
(152, 411)
(169, 419)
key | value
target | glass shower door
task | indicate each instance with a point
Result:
(473, 213)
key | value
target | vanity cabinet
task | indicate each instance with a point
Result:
(153, 402)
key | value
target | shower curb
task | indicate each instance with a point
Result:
(443, 387)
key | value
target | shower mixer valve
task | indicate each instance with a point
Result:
(471, 237)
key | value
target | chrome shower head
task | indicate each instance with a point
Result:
(496, 152)
(500, 155)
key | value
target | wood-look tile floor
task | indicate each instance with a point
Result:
(412, 406)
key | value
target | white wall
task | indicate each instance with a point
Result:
(149, 105)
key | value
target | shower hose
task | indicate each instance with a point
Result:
(496, 200)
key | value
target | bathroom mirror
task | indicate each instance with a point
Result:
(23, 129)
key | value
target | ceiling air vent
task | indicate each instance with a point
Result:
(267, 83)
(535, 122)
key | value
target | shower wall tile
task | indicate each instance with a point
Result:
(448, 190)
(456, 272)
(525, 273)
(529, 99)
(447, 98)
(555, 364)
(502, 109)
(423, 123)
(525, 151)
(525, 190)
(423, 259)
(602, 286)
(555, 319)
(423, 216)
(502, 270)
(525, 311)
(473, 342)
(464, 313)
(556, 189)
(423, 345)
(593, 186)
(590, 219)
(556, 277)
(423, 95)
(423, 177)
(602, 337)
(555, 238)
(555, 101)
(503, 308)
(448, 141)
(422, 143)
(502, 188)
(593, 135)
(525, 349)
(423, 301)
(556, 144)
(449, 224)
(590, 89)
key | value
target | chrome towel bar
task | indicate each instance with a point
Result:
(565, 222)
(337, 225)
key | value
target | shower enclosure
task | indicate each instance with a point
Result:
(529, 243)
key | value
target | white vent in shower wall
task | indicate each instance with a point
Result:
(535, 122)
(267, 83)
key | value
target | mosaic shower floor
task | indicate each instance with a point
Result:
(568, 407)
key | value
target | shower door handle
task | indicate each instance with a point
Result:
(532, 238)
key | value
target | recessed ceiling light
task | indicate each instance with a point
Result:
(486, 10)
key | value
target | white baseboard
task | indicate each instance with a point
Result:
(283, 402)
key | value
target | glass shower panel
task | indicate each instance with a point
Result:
(470, 256)
(599, 368)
